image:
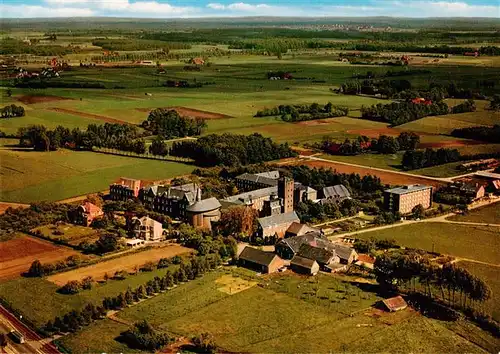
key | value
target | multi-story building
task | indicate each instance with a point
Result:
(404, 199)
(276, 225)
(251, 181)
(125, 189)
(147, 229)
(86, 213)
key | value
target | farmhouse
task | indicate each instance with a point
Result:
(304, 265)
(86, 213)
(323, 256)
(287, 248)
(197, 61)
(264, 262)
(298, 229)
(125, 189)
(276, 225)
(147, 229)
(404, 199)
(346, 254)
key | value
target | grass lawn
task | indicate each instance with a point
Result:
(73, 234)
(99, 337)
(28, 176)
(37, 299)
(279, 315)
(474, 242)
(486, 214)
(491, 276)
(446, 170)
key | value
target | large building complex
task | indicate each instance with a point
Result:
(404, 199)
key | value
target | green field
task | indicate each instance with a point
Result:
(488, 214)
(285, 313)
(473, 242)
(491, 276)
(38, 301)
(28, 176)
(73, 234)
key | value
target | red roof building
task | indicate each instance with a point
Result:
(86, 213)
(394, 304)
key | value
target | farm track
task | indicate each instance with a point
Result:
(87, 115)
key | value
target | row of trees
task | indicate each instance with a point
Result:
(109, 135)
(168, 124)
(467, 106)
(303, 112)
(397, 113)
(415, 159)
(12, 111)
(130, 44)
(75, 286)
(231, 150)
(407, 270)
(482, 133)
(37, 269)
(187, 271)
(383, 145)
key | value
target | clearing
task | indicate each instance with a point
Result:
(473, 242)
(30, 176)
(71, 234)
(487, 214)
(190, 112)
(17, 254)
(126, 262)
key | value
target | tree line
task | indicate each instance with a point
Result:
(383, 144)
(415, 159)
(109, 135)
(482, 133)
(12, 111)
(137, 44)
(185, 272)
(14, 46)
(398, 113)
(231, 150)
(303, 112)
(168, 124)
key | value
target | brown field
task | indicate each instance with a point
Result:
(27, 99)
(87, 115)
(450, 143)
(375, 133)
(4, 206)
(386, 177)
(190, 112)
(127, 263)
(318, 122)
(16, 255)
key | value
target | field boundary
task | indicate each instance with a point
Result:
(142, 156)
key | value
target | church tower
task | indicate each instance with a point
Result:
(285, 193)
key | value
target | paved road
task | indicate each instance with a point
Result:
(33, 342)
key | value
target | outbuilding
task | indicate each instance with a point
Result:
(261, 261)
(304, 265)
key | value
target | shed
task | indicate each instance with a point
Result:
(396, 303)
(264, 262)
(304, 265)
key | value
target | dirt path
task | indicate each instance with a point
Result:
(459, 259)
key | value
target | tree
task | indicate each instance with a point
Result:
(418, 211)
(158, 147)
(87, 283)
(8, 92)
(36, 269)
(143, 336)
(71, 287)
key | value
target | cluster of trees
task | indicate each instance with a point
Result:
(467, 106)
(109, 135)
(231, 150)
(186, 271)
(406, 270)
(482, 133)
(44, 82)
(107, 242)
(318, 178)
(205, 243)
(415, 48)
(74, 286)
(387, 218)
(143, 336)
(494, 103)
(372, 244)
(238, 221)
(383, 145)
(14, 46)
(25, 219)
(388, 88)
(297, 113)
(415, 159)
(397, 113)
(168, 124)
(37, 269)
(138, 44)
(12, 111)
(318, 212)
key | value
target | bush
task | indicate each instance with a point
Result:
(143, 336)
(71, 287)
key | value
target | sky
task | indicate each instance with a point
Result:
(234, 8)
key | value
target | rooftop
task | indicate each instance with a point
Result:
(313, 238)
(344, 252)
(279, 219)
(259, 193)
(302, 262)
(204, 205)
(321, 255)
(408, 189)
(269, 174)
(300, 229)
(337, 191)
(395, 303)
(258, 179)
(257, 256)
